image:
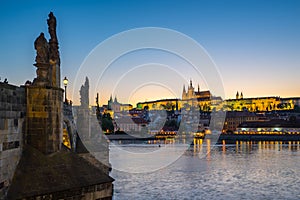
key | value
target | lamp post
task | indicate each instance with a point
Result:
(65, 81)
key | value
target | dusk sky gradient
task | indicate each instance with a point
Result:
(255, 44)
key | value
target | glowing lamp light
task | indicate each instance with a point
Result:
(65, 82)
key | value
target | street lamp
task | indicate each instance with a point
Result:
(65, 81)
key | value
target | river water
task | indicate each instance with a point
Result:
(243, 170)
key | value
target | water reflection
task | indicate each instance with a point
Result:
(244, 146)
(198, 144)
(239, 170)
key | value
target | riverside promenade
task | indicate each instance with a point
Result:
(258, 137)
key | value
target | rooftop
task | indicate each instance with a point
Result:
(38, 174)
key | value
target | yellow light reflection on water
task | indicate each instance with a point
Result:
(208, 149)
(236, 146)
(223, 146)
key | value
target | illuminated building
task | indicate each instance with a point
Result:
(114, 107)
(125, 107)
(162, 104)
(278, 127)
(129, 124)
(192, 94)
(235, 118)
(259, 104)
(199, 99)
(203, 100)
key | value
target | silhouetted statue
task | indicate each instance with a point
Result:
(42, 49)
(54, 54)
(84, 93)
(52, 27)
(98, 113)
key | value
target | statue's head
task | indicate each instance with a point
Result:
(51, 14)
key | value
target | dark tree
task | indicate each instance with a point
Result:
(106, 123)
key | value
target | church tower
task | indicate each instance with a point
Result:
(237, 95)
(109, 103)
(183, 93)
(190, 93)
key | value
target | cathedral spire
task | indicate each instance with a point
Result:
(198, 88)
(183, 92)
(191, 83)
(237, 95)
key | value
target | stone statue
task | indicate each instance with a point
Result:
(42, 49)
(84, 94)
(53, 42)
(52, 27)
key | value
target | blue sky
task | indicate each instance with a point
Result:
(255, 44)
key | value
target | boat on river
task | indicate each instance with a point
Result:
(199, 135)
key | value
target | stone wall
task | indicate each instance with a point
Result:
(12, 120)
(100, 191)
(70, 125)
(44, 118)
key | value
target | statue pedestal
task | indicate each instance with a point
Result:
(44, 118)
